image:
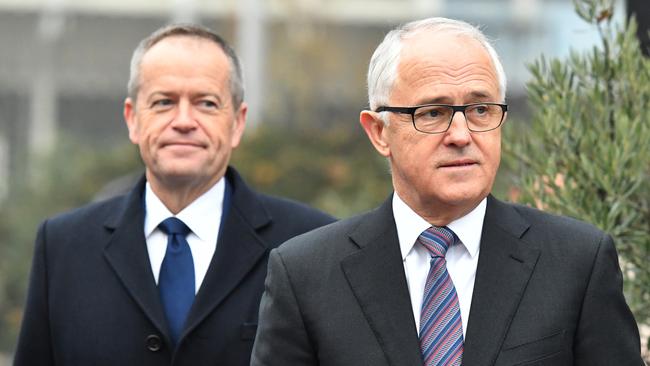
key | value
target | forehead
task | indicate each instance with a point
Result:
(185, 56)
(445, 66)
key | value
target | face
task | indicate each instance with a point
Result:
(441, 176)
(183, 119)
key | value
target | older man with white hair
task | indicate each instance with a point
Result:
(443, 273)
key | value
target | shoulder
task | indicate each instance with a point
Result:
(287, 217)
(549, 231)
(80, 232)
(94, 213)
(102, 212)
(298, 212)
(322, 245)
(564, 225)
(336, 241)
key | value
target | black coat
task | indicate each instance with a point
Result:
(548, 291)
(93, 300)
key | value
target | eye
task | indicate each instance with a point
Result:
(208, 104)
(161, 103)
(432, 112)
(480, 110)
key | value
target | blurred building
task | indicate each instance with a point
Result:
(64, 63)
(640, 9)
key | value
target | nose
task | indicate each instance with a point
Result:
(184, 118)
(458, 133)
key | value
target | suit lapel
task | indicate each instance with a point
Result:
(239, 250)
(504, 267)
(126, 253)
(376, 276)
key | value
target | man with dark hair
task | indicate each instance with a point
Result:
(172, 273)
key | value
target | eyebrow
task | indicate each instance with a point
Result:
(201, 95)
(193, 96)
(474, 96)
(159, 93)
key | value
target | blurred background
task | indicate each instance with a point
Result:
(63, 73)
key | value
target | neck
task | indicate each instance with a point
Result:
(435, 212)
(176, 195)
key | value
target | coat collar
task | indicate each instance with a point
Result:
(239, 249)
(505, 266)
(126, 252)
(376, 276)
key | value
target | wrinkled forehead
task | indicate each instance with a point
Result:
(185, 56)
(447, 59)
(177, 46)
(453, 51)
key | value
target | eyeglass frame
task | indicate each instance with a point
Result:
(455, 108)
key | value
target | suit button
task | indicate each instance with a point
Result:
(154, 343)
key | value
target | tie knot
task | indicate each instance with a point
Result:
(437, 240)
(174, 226)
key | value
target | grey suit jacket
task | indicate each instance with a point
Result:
(93, 299)
(548, 291)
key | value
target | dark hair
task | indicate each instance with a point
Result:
(187, 30)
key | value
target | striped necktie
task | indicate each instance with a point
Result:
(441, 329)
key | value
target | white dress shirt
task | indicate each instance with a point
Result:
(203, 217)
(462, 258)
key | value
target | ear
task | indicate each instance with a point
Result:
(130, 119)
(375, 129)
(238, 125)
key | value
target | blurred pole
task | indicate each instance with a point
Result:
(4, 168)
(250, 47)
(525, 11)
(428, 7)
(641, 9)
(43, 107)
(184, 11)
(43, 129)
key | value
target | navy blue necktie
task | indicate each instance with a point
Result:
(176, 280)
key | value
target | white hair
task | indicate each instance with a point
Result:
(384, 63)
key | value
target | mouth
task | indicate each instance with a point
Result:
(458, 163)
(182, 144)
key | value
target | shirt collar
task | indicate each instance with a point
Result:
(201, 216)
(410, 225)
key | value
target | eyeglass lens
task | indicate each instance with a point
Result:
(436, 118)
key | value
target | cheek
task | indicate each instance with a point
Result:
(154, 129)
(496, 149)
(218, 134)
(410, 144)
(416, 160)
(491, 149)
(147, 137)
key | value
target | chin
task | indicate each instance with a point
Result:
(463, 198)
(180, 176)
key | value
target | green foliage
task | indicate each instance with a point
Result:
(334, 169)
(67, 178)
(587, 152)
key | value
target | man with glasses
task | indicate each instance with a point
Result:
(443, 273)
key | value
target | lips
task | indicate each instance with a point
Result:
(458, 163)
(182, 144)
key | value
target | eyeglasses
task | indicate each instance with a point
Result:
(436, 118)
